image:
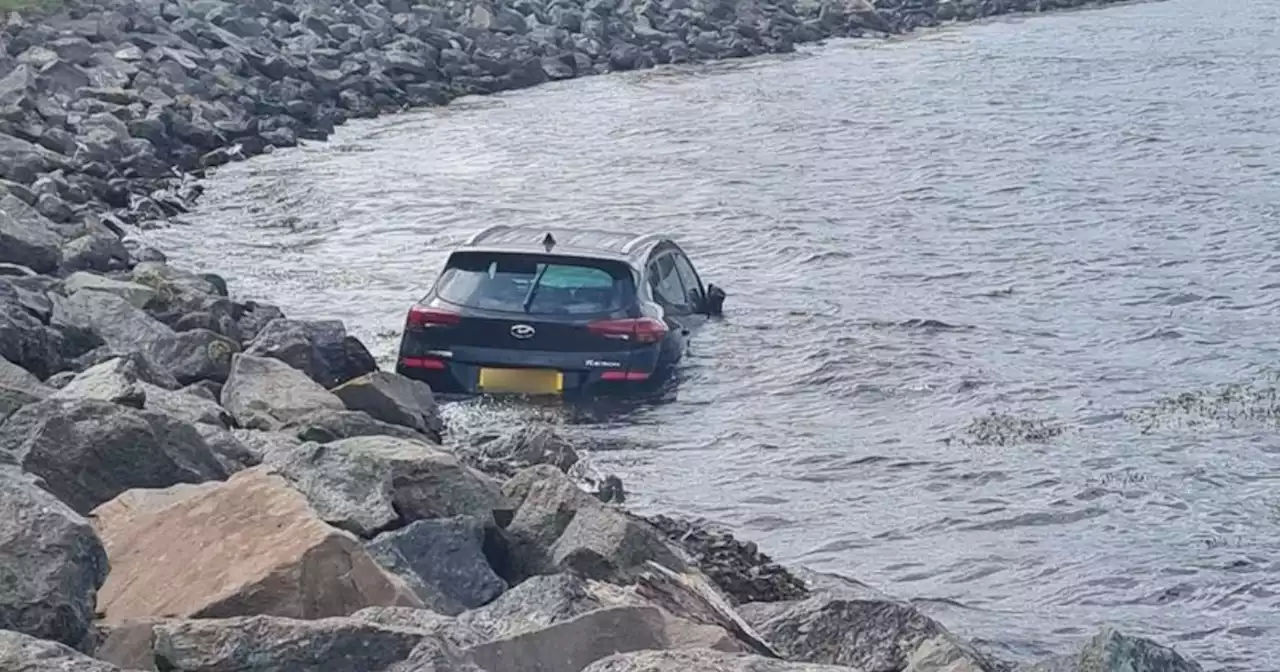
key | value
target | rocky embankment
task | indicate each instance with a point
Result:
(189, 482)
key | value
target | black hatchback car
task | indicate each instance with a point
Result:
(555, 312)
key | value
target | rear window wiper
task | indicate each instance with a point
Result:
(533, 289)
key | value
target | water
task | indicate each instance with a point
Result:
(1060, 218)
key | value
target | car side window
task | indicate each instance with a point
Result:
(664, 280)
(689, 278)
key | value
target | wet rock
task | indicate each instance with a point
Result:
(558, 527)
(525, 446)
(865, 634)
(1113, 651)
(369, 484)
(266, 393)
(443, 562)
(393, 398)
(318, 348)
(194, 356)
(23, 653)
(18, 387)
(701, 660)
(573, 644)
(269, 644)
(89, 451)
(137, 295)
(737, 567)
(250, 545)
(51, 563)
(328, 426)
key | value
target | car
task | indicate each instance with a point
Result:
(537, 311)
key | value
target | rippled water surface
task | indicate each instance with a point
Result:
(1059, 219)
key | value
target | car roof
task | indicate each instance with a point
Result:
(597, 243)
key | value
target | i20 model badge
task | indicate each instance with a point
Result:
(522, 331)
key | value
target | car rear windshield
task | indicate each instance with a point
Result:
(535, 284)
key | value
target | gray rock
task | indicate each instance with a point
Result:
(1113, 651)
(443, 562)
(273, 644)
(18, 387)
(110, 318)
(137, 295)
(369, 484)
(119, 379)
(23, 653)
(328, 426)
(412, 618)
(51, 563)
(263, 444)
(319, 348)
(25, 340)
(701, 660)
(194, 356)
(525, 446)
(536, 603)
(393, 398)
(97, 250)
(232, 453)
(27, 238)
(266, 393)
(868, 634)
(88, 451)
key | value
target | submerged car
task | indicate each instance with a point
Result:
(535, 311)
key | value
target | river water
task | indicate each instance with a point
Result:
(1056, 221)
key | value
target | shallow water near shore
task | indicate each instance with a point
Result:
(960, 266)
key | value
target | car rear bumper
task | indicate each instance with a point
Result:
(460, 371)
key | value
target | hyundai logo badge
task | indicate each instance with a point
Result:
(522, 331)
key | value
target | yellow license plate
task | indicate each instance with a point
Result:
(522, 381)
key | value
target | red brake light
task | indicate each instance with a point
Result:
(432, 317)
(640, 330)
(424, 363)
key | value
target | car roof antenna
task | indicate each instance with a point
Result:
(548, 241)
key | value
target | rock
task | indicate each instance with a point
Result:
(25, 341)
(23, 653)
(526, 446)
(113, 320)
(97, 250)
(701, 660)
(571, 645)
(90, 450)
(27, 238)
(137, 295)
(865, 634)
(425, 620)
(1113, 651)
(537, 603)
(267, 393)
(327, 426)
(369, 484)
(443, 562)
(272, 644)
(558, 527)
(393, 398)
(319, 348)
(194, 356)
(232, 453)
(121, 380)
(51, 564)
(250, 545)
(738, 568)
(18, 387)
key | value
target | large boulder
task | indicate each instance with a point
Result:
(272, 644)
(369, 484)
(24, 653)
(194, 355)
(738, 567)
(250, 545)
(266, 393)
(527, 445)
(18, 387)
(393, 398)
(1113, 651)
(322, 349)
(27, 238)
(560, 527)
(134, 380)
(51, 563)
(865, 634)
(113, 320)
(443, 562)
(137, 295)
(702, 660)
(89, 450)
(24, 339)
(326, 426)
(571, 645)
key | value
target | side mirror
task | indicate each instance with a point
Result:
(713, 304)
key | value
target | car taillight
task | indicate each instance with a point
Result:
(432, 317)
(424, 363)
(639, 330)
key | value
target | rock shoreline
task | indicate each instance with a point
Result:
(194, 483)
